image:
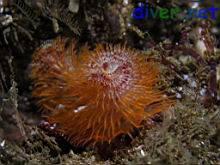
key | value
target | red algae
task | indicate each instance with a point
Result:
(99, 94)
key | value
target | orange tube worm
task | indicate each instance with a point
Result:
(99, 94)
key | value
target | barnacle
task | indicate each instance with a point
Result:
(98, 95)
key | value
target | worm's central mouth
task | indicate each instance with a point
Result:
(114, 72)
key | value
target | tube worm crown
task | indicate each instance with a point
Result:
(99, 94)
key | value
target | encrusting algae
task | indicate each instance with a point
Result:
(99, 94)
